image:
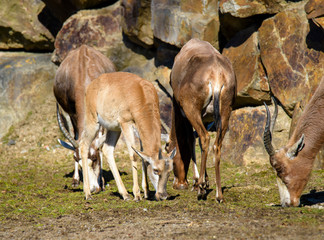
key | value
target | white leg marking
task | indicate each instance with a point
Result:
(93, 178)
(108, 151)
(76, 175)
(195, 168)
(145, 184)
(284, 193)
(84, 156)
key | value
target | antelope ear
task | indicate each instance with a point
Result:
(296, 148)
(173, 153)
(143, 156)
(66, 145)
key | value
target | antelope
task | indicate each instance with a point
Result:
(204, 89)
(117, 101)
(293, 163)
(77, 70)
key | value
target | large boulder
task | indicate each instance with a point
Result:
(176, 22)
(243, 143)
(244, 9)
(236, 15)
(137, 21)
(315, 15)
(97, 28)
(100, 29)
(26, 81)
(20, 27)
(252, 82)
(315, 9)
(294, 69)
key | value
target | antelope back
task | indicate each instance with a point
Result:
(77, 70)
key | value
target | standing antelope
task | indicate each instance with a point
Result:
(78, 69)
(204, 89)
(293, 163)
(116, 101)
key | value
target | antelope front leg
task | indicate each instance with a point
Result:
(145, 184)
(84, 149)
(76, 177)
(130, 141)
(108, 151)
(136, 189)
(101, 178)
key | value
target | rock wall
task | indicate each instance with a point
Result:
(26, 80)
(276, 47)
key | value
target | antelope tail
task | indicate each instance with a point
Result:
(217, 115)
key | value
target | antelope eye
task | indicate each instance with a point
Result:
(155, 171)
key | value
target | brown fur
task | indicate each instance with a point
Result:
(197, 66)
(134, 96)
(116, 101)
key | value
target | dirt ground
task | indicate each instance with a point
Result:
(38, 202)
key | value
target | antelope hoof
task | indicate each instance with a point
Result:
(180, 186)
(75, 183)
(195, 185)
(219, 200)
(137, 198)
(96, 190)
(88, 197)
(219, 196)
(126, 197)
(102, 184)
(202, 193)
(146, 196)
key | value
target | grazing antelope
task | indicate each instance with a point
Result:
(293, 163)
(117, 101)
(77, 70)
(204, 89)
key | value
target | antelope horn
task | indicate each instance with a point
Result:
(267, 139)
(165, 126)
(63, 129)
(275, 114)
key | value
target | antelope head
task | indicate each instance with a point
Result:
(158, 171)
(290, 178)
(94, 158)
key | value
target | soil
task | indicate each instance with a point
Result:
(38, 202)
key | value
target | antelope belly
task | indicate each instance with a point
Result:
(112, 125)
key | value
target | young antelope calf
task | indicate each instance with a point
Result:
(116, 101)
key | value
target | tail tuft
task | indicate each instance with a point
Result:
(217, 116)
